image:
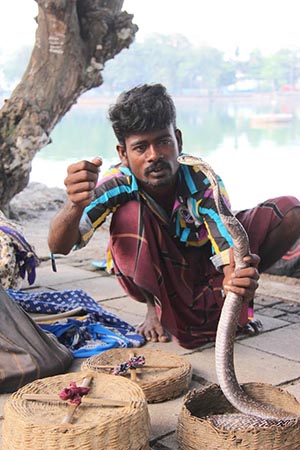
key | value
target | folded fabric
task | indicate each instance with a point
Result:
(18, 259)
(99, 330)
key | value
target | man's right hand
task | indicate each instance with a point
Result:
(81, 181)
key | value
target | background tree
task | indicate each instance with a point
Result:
(276, 70)
(254, 66)
(74, 39)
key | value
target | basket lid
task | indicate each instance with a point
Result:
(113, 410)
(163, 375)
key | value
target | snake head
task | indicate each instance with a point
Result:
(189, 160)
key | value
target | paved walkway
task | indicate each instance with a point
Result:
(272, 357)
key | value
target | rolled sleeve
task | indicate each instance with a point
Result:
(86, 231)
(221, 259)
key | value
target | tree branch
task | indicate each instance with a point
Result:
(74, 39)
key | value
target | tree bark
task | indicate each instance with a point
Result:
(74, 39)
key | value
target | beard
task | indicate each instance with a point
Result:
(157, 182)
(163, 182)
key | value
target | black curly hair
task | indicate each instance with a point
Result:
(144, 108)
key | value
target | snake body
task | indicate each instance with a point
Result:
(224, 347)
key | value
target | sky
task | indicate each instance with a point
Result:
(225, 24)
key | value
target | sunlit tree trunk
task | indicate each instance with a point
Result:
(74, 39)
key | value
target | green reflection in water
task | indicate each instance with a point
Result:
(85, 132)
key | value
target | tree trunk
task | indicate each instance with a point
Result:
(74, 39)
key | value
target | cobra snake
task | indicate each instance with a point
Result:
(254, 414)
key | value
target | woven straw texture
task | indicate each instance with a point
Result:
(38, 425)
(158, 383)
(195, 432)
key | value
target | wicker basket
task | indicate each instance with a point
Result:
(112, 416)
(164, 376)
(195, 431)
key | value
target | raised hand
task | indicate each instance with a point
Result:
(81, 181)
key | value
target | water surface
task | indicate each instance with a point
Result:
(256, 160)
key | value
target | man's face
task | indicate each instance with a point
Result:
(152, 157)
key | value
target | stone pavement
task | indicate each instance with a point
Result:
(272, 357)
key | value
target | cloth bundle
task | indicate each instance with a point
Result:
(92, 331)
(17, 257)
(26, 351)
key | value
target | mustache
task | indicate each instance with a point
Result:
(160, 164)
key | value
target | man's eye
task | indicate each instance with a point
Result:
(140, 148)
(166, 141)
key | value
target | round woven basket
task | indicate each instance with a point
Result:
(195, 430)
(164, 376)
(112, 416)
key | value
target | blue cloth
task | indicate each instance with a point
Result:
(100, 330)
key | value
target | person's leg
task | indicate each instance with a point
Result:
(280, 239)
(273, 227)
(134, 268)
(151, 327)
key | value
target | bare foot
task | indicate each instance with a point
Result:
(151, 328)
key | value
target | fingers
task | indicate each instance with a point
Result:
(243, 282)
(84, 169)
(97, 161)
(247, 272)
(244, 286)
(252, 260)
(246, 291)
(81, 181)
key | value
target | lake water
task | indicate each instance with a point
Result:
(256, 160)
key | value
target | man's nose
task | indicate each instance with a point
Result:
(153, 152)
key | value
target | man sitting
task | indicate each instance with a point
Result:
(168, 244)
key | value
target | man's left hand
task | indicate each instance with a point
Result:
(243, 282)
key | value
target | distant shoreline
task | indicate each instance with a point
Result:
(89, 101)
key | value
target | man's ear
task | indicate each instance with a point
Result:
(122, 154)
(178, 135)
